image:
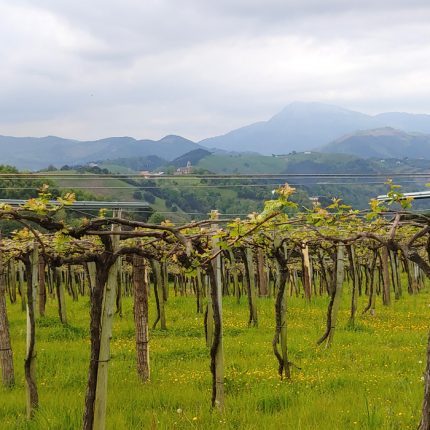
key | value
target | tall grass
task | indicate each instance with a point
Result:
(369, 379)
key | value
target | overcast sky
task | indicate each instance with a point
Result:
(198, 68)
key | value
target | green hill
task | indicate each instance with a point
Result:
(382, 143)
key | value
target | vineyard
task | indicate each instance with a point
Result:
(313, 320)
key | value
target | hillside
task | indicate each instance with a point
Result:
(200, 196)
(149, 162)
(382, 143)
(193, 157)
(356, 192)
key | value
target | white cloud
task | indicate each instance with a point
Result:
(198, 68)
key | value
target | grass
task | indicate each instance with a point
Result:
(242, 163)
(369, 379)
(117, 190)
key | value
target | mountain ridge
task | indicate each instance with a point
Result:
(386, 142)
(304, 126)
(299, 126)
(38, 152)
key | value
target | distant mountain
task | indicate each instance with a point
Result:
(303, 126)
(384, 142)
(298, 127)
(37, 153)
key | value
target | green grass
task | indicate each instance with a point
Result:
(242, 163)
(369, 379)
(117, 190)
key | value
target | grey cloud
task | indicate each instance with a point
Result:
(199, 68)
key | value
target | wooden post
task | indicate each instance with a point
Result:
(425, 414)
(199, 290)
(209, 315)
(21, 286)
(100, 402)
(6, 355)
(395, 275)
(92, 271)
(252, 293)
(42, 286)
(340, 273)
(306, 275)
(31, 267)
(262, 275)
(219, 355)
(119, 289)
(234, 273)
(354, 279)
(386, 298)
(59, 288)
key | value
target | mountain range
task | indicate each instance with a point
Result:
(298, 127)
(309, 126)
(37, 153)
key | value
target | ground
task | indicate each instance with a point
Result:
(370, 379)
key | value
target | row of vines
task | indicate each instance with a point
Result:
(270, 254)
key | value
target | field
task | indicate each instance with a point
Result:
(369, 379)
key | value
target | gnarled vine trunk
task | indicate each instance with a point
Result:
(141, 318)
(281, 317)
(6, 354)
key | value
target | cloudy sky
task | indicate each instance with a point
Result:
(147, 68)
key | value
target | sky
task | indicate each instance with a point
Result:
(199, 68)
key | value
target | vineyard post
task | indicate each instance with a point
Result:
(306, 272)
(262, 274)
(199, 290)
(252, 296)
(372, 284)
(31, 267)
(219, 357)
(21, 286)
(354, 278)
(119, 288)
(165, 280)
(92, 273)
(340, 273)
(395, 275)
(59, 287)
(425, 417)
(140, 311)
(209, 315)
(6, 354)
(234, 274)
(386, 299)
(42, 286)
(100, 402)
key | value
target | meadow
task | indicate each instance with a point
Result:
(371, 378)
